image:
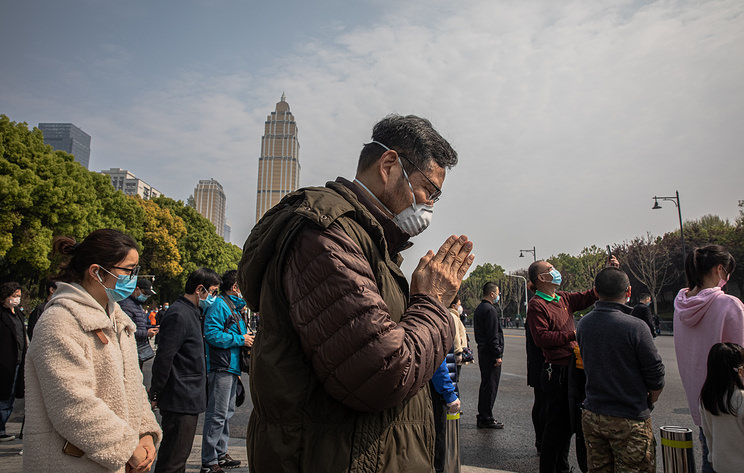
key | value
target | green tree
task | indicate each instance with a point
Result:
(45, 193)
(161, 232)
(199, 247)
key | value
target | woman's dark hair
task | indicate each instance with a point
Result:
(8, 288)
(105, 247)
(724, 360)
(701, 260)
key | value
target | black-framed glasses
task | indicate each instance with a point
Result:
(133, 272)
(434, 196)
(214, 293)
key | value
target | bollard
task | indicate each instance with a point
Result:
(452, 438)
(676, 449)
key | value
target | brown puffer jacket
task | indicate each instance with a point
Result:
(340, 365)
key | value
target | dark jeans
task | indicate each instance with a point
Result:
(556, 440)
(178, 438)
(489, 387)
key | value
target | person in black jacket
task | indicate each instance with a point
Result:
(51, 286)
(179, 375)
(643, 312)
(12, 352)
(132, 306)
(490, 339)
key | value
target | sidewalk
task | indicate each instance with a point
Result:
(12, 461)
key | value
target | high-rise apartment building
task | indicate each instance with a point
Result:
(209, 200)
(128, 183)
(278, 165)
(68, 138)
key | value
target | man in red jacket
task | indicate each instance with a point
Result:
(551, 323)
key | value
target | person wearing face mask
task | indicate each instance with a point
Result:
(225, 332)
(179, 374)
(490, 339)
(703, 316)
(132, 306)
(551, 324)
(86, 407)
(12, 353)
(345, 348)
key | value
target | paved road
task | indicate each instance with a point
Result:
(511, 449)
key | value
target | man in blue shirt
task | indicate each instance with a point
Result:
(225, 333)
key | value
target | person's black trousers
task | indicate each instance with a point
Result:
(556, 439)
(178, 438)
(440, 426)
(489, 387)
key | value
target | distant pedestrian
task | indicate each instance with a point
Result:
(490, 339)
(617, 409)
(50, 286)
(132, 306)
(12, 352)
(703, 316)
(643, 312)
(722, 407)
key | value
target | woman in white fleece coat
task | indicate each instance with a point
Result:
(86, 407)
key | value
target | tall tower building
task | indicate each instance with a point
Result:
(278, 165)
(68, 138)
(209, 200)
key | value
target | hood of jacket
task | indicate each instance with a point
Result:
(691, 310)
(320, 206)
(72, 296)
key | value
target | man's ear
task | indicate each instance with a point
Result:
(385, 165)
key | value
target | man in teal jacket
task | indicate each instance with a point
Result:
(225, 333)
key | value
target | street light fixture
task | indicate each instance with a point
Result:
(674, 199)
(534, 254)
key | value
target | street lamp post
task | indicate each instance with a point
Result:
(525, 290)
(534, 253)
(674, 199)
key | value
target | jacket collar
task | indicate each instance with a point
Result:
(607, 306)
(397, 240)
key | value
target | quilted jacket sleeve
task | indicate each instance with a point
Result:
(362, 358)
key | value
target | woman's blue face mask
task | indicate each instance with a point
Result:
(125, 286)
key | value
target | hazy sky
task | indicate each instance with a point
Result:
(568, 116)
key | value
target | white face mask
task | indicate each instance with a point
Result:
(416, 218)
(459, 309)
(14, 301)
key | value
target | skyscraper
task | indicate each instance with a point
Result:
(278, 165)
(209, 200)
(68, 138)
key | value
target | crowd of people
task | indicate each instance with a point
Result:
(354, 367)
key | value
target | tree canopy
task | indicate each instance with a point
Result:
(46, 193)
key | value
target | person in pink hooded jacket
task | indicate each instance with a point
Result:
(703, 316)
